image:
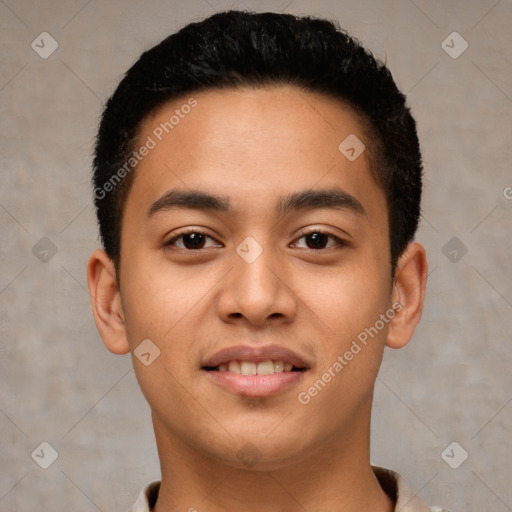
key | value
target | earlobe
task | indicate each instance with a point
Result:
(409, 295)
(106, 302)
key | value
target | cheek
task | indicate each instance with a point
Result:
(348, 301)
(160, 308)
(156, 300)
(351, 346)
(166, 306)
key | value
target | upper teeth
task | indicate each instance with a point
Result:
(249, 368)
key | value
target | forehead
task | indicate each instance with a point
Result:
(254, 143)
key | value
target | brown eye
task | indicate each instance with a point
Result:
(192, 240)
(316, 240)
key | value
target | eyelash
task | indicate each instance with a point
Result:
(339, 242)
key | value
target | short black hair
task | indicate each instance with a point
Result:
(235, 49)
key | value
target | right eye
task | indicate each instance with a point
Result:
(191, 240)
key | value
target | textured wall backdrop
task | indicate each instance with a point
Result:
(59, 385)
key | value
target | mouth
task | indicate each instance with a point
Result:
(261, 372)
(268, 367)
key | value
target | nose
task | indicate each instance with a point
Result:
(257, 292)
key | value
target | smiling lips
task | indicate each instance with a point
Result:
(268, 367)
(255, 372)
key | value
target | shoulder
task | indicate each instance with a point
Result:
(147, 498)
(396, 487)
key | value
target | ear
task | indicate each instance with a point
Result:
(408, 295)
(106, 302)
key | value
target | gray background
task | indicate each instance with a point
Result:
(60, 385)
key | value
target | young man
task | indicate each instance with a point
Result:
(257, 182)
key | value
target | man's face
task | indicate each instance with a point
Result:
(261, 279)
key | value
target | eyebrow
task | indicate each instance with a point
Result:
(334, 198)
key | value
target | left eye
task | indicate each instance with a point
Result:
(319, 240)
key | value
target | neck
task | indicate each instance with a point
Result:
(338, 477)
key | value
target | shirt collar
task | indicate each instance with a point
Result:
(391, 482)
